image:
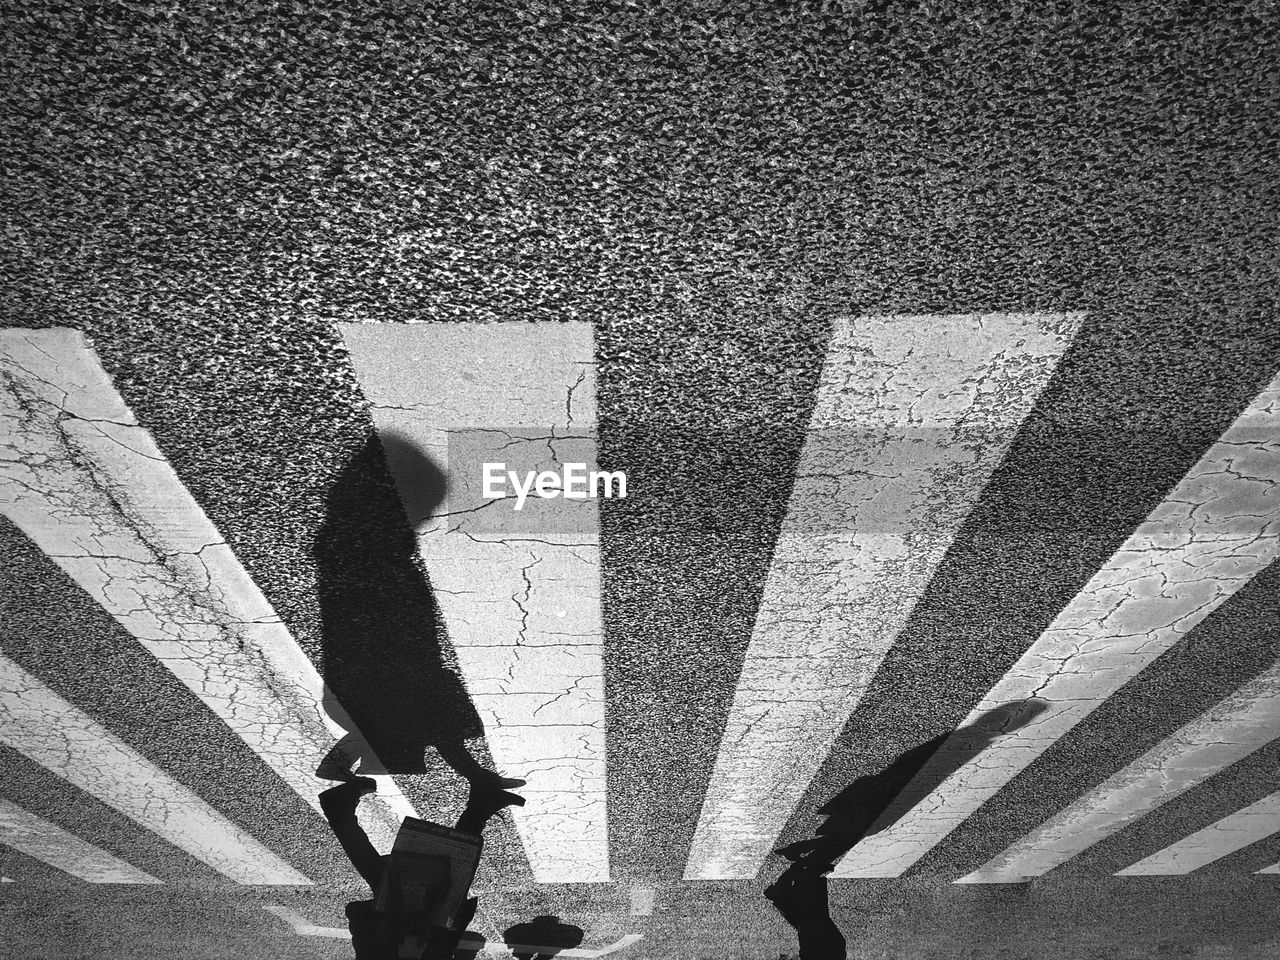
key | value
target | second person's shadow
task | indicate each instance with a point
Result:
(851, 813)
(800, 892)
(384, 668)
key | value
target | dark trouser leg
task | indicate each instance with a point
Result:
(801, 898)
(471, 822)
(821, 941)
(339, 806)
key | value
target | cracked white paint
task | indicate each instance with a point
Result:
(1247, 826)
(42, 840)
(1214, 532)
(522, 609)
(913, 413)
(42, 726)
(90, 487)
(1229, 731)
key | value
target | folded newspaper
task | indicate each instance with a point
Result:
(428, 875)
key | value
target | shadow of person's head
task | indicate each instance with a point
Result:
(542, 937)
(419, 481)
(388, 485)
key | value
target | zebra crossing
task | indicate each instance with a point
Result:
(872, 513)
(89, 487)
(1232, 833)
(1229, 731)
(1212, 533)
(52, 732)
(38, 838)
(902, 439)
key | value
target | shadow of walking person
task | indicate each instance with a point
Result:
(549, 933)
(800, 892)
(384, 669)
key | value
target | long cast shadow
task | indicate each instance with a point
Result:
(384, 669)
(800, 892)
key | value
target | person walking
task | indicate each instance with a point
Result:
(377, 935)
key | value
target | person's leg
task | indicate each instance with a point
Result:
(823, 941)
(339, 805)
(484, 801)
(801, 897)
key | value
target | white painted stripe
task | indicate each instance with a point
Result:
(38, 838)
(1274, 868)
(1230, 834)
(1210, 536)
(522, 607)
(39, 724)
(90, 487)
(1229, 731)
(912, 415)
(6, 880)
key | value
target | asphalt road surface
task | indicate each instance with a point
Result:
(938, 345)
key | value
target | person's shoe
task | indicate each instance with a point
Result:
(346, 794)
(488, 802)
(337, 763)
(492, 780)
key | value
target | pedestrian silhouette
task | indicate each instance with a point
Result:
(800, 892)
(384, 667)
(386, 675)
